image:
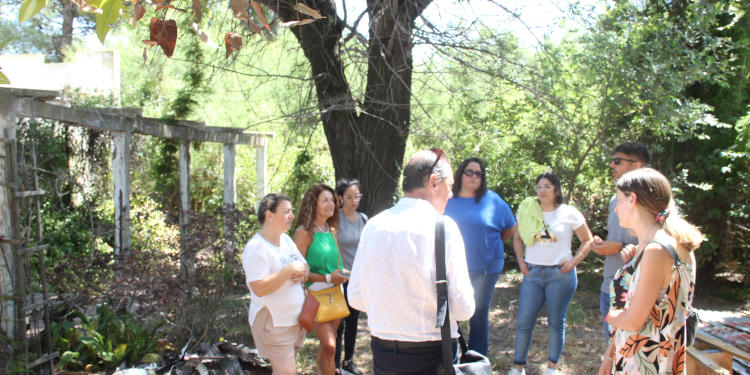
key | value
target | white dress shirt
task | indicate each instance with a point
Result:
(393, 276)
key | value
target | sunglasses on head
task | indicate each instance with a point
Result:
(440, 155)
(472, 173)
(617, 160)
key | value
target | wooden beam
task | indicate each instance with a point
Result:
(721, 345)
(87, 118)
(698, 363)
(156, 128)
(30, 93)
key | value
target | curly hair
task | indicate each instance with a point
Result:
(309, 205)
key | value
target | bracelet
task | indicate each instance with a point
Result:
(328, 278)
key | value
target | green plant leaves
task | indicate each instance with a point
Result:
(110, 12)
(30, 8)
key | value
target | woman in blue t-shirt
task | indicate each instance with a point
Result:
(485, 222)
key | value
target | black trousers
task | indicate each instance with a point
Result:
(347, 332)
(406, 357)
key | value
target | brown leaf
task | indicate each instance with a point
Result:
(169, 6)
(150, 42)
(197, 10)
(304, 9)
(255, 27)
(233, 41)
(164, 33)
(138, 12)
(298, 23)
(86, 7)
(239, 8)
(259, 11)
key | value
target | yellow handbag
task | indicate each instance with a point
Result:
(332, 304)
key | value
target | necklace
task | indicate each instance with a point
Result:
(322, 228)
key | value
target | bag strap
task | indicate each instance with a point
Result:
(441, 284)
(678, 263)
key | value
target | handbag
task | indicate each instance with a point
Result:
(692, 320)
(332, 304)
(470, 362)
(309, 311)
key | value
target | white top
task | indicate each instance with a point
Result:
(560, 223)
(393, 276)
(261, 259)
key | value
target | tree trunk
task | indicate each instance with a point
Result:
(69, 13)
(367, 141)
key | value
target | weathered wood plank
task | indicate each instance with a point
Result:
(87, 118)
(718, 344)
(31, 250)
(230, 180)
(29, 193)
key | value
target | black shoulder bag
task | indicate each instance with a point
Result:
(470, 362)
(692, 320)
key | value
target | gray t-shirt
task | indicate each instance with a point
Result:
(615, 233)
(348, 237)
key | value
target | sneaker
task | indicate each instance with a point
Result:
(515, 371)
(351, 368)
(550, 371)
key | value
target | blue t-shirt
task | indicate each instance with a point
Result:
(480, 225)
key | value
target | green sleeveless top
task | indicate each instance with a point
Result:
(322, 255)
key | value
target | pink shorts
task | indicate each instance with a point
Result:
(275, 343)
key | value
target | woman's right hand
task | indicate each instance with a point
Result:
(297, 271)
(338, 278)
(523, 267)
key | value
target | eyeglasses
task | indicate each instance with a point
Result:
(440, 155)
(472, 173)
(539, 188)
(355, 197)
(617, 160)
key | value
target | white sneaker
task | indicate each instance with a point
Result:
(550, 371)
(515, 371)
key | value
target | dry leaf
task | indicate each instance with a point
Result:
(164, 33)
(138, 12)
(145, 55)
(239, 7)
(197, 10)
(255, 27)
(233, 41)
(169, 6)
(202, 35)
(298, 23)
(259, 11)
(304, 9)
(86, 7)
(150, 42)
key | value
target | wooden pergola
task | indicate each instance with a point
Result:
(121, 123)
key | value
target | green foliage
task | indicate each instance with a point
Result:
(104, 341)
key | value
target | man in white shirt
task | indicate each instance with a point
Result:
(393, 275)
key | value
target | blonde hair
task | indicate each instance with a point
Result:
(654, 193)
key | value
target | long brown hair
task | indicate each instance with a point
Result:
(654, 193)
(308, 208)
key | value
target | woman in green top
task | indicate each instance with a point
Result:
(315, 238)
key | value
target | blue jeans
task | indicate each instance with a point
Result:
(544, 284)
(479, 325)
(603, 310)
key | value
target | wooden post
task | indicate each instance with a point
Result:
(186, 261)
(230, 180)
(261, 164)
(11, 268)
(121, 177)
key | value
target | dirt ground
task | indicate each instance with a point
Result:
(584, 342)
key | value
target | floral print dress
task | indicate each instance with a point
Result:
(659, 346)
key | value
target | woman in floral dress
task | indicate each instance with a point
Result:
(649, 328)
